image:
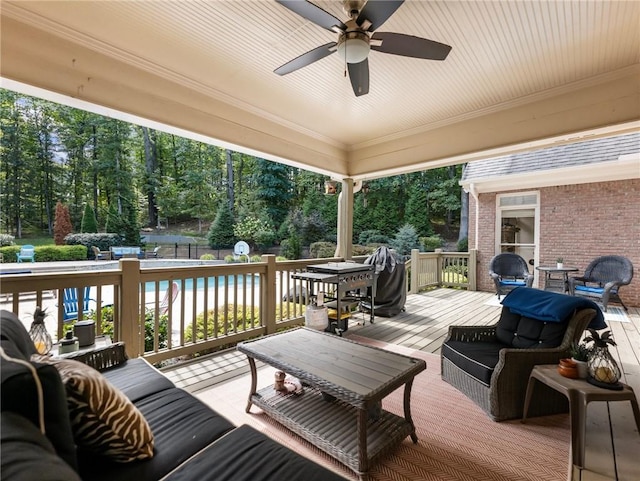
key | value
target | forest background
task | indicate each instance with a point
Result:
(117, 177)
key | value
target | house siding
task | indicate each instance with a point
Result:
(577, 222)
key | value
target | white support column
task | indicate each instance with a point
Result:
(345, 220)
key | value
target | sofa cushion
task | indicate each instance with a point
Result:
(520, 331)
(245, 454)
(19, 395)
(478, 359)
(102, 417)
(137, 379)
(12, 329)
(27, 454)
(182, 425)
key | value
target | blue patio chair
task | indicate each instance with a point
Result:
(71, 303)
(27, 253)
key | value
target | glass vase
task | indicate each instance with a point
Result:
(603, 367)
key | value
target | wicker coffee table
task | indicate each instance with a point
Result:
(356, 375)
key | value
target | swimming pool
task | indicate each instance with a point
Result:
(210, 282)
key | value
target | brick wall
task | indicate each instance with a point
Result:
(577, 222)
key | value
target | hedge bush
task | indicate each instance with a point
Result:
(318, 250)
(431, 243)
(101, 240)
(237, 318)
(48, 253)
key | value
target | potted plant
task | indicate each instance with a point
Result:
(579, 352)
(559, 262)
(602, 366)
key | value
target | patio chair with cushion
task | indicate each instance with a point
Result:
(100, 255)
(602, 280)
(27, 253)
(509, 271)
(491, 364)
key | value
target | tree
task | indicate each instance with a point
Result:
(221, 230)
(62, 224)
(405, 240)
(89, 224)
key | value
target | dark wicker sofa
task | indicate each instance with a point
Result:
(191, 440)
(491, 364)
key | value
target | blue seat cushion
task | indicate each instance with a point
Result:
(512, 283)
(594, 290)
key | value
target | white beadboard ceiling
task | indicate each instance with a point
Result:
(504, 54)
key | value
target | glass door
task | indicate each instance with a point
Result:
(518, 226)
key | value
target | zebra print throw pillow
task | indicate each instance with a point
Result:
(103, 419)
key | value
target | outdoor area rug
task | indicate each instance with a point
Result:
(456, 440)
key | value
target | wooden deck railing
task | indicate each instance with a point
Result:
(234, 302)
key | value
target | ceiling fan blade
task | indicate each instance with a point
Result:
(410, 46)
(313, 13)
(378, 12)
(359, 76)
(305, 59)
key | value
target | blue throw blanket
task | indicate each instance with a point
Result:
(550, 306)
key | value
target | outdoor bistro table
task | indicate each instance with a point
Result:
(555, 284)
(344, 382)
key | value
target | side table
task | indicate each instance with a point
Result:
(579, 393)
(556, 284)
(100, 341)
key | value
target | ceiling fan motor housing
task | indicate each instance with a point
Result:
(353, 46)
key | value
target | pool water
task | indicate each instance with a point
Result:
(215, 281)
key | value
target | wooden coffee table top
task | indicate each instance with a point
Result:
(349, 370)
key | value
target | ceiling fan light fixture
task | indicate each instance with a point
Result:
(354, 47)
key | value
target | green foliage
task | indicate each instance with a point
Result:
(252, 230)
(102, 241)
(463, 245)
(359, 250)
(256, 258)
(62, 225)
(221, 230)
(405, 240)
(319, 250)
(89, 223)
(48, 253)
(149, 327)
(291, 247)
(231, 259)
(207, 257)
(239, 318)
(6, 240)
(431, 243)
(372, 236)
(273, 188)
(417, 210)
(579, 351)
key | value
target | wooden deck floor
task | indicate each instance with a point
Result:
(613, 442)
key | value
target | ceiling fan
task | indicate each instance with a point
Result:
(355, 41)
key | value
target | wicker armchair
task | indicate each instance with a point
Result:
(502, 395)
(509, 271)
(602, 280)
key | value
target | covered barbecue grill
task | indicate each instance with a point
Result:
(391, 290)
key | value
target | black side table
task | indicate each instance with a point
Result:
(557, 284)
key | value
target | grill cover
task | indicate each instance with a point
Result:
(391, 290)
